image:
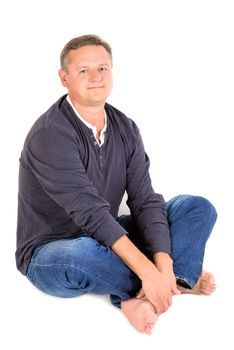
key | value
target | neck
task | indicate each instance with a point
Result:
(92, 114)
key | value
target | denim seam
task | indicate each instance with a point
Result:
(193, 272)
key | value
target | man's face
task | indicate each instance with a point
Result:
(88, 75)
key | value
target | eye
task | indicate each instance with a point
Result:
(83, 71)
(102, 69)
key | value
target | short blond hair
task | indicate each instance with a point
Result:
(81, 41)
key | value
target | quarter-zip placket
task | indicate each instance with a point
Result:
(99, 150)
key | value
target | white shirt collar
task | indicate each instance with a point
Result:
(90, 126)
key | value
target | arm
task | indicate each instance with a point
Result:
(52, 154)
(148, 210)
(154, 286)
(146, 206)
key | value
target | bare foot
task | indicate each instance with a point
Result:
(205, 285)
(140, 313)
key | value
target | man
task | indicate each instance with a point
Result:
(78, 159)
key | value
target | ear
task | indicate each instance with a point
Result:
(63, 77)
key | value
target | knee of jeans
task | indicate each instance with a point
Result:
(184, 204)
(205, 206)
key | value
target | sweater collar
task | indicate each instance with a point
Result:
(90, 126)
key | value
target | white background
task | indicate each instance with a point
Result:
(174, 75)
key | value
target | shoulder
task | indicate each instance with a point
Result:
(124, 123)
(53, 121)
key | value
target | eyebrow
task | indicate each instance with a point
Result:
(100, 65)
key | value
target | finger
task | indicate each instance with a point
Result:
(166, 304)
(169, 302)
(160, 307)
(157, 307)
(165, 307)
(141, 294)
(148, 330)
(175, 291)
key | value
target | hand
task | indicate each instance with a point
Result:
(164, 264)
(157, 289)
(169, 275)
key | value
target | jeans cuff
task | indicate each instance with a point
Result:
(183, 282)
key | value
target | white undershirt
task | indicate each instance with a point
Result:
(90, 126)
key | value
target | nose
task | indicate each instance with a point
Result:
(95, 75)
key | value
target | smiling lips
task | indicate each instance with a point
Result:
(96, 87)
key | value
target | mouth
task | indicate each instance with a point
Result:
(95, 87)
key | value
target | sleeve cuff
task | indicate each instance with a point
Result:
(109, 231)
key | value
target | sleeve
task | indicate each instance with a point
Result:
(53, 157)
(146, 206)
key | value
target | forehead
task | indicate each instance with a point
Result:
(89, 54)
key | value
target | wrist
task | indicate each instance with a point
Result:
(163, 261)
(148, 268)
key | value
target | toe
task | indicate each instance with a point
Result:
(207, 276)
(148, 330)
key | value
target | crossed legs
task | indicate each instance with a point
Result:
(71, 267)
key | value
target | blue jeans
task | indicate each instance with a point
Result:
(71, 267)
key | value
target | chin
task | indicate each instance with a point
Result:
(98, 99)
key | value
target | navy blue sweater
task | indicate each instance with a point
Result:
(68, 184)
